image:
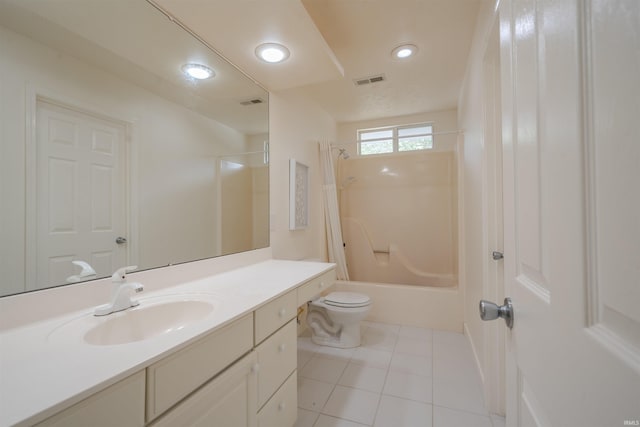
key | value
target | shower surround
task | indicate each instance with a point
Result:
(399, 218)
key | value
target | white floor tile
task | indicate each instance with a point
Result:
(445, 417)
(411, 364)
(457, 367)
(363, 377)
(409, 386)
(395, 412)
(380, 326)
(305, 343)
(303, 357)
(451, 344)
(352, 404)
(312, 394)
(417, 346)
(449, 338)
(334, 352)
(461, 395)
(327, 421)
(306, 418)
(324, 369)
(372, 358)
(399, 376)
(379, 339)
(415, 333)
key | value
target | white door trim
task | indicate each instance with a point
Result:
(493, 280)
(33, 95)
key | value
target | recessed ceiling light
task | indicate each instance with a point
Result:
(404, 51)
(272, 52)
(198, 71)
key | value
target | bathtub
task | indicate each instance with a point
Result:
(427, 307)
(391, 264)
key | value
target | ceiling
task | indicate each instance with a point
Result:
(146, 50)
(333, 42)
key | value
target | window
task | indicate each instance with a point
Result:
(395, 139)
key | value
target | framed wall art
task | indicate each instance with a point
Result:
(298, 195)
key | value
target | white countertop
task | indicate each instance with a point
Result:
(42, 372)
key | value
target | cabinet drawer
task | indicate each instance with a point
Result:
(282, 409)
(227, 400)
(273, 315)
(314, 287)
(174, 377)
(277, 358)
(98, 410)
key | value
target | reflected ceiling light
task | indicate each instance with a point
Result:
(198, 71)
(272, 52)
(404, 51)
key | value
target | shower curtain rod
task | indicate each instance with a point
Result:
(445, 132)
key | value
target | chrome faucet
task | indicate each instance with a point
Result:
(121, 293)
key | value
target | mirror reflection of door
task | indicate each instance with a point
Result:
(80, 172)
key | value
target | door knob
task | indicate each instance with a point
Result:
(491, 311)
(497, 255)
(121, 240)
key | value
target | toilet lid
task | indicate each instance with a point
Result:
(347, 299)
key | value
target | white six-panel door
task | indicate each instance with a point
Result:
(80, 193)
(571, 135)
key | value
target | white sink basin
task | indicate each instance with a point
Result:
(152, 318)
(143, 322)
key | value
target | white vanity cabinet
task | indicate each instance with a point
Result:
(277, 361)
(243, 374)
(176, 376)
(121, 404)
(314, 287)
(227, 400)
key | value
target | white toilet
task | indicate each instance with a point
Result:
(335, 319)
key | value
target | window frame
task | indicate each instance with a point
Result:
(395, 138)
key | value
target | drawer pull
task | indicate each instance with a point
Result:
(282, 312)
(281, 348)
(281, 406)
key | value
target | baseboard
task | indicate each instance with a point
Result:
(475, 354)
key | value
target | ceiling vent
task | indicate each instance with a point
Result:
(252, 101)
(369, 80)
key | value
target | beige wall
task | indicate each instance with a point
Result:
(295, 127)
(474, 254)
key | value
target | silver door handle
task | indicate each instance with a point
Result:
(491, 311)
(121, 240)
(497, 255)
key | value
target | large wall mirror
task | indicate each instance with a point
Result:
(111, 155)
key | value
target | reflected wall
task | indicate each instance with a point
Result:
(174, 137)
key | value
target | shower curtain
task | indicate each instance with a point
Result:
(331, 214)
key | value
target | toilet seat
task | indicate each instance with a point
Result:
(347, 300)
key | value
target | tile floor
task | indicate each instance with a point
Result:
(400, 377)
